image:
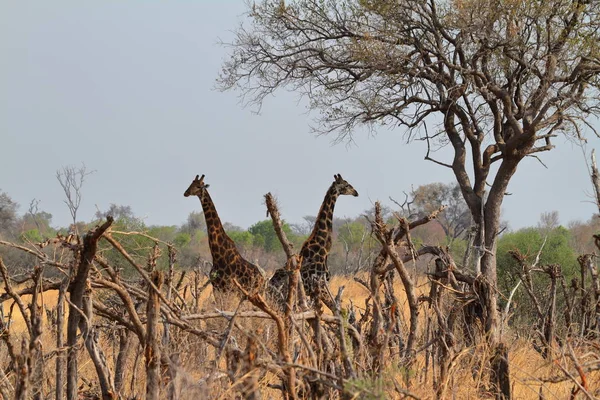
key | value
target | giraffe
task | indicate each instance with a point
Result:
(227, 261)
(314, 272)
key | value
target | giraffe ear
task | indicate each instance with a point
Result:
(206, 186)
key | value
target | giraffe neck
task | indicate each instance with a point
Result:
(324, 223)
(217, 238)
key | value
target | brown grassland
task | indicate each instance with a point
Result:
(532, 376)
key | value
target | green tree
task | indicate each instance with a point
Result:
(264, 235)
(242, 239)
(164, 233)
(528, 241)
(41, 220)
(182, 239)
(555, 249)
(137, 246)
(8, 213)
(353, 235)
(32, 235)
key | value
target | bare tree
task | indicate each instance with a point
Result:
(495, 83)
(455, 219)
(71, 179)
(549, 220)
(117, 212)
(304, 228)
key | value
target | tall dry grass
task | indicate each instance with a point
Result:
(532, 376)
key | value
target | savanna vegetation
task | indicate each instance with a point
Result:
(432, 296)
(206, 349)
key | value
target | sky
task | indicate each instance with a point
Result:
(127, 87)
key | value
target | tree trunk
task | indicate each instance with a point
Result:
(36, 354)
(90, 336)
(169, 283)
(500, 372)
(125, 338)
(60, 326)
(488, 297)
(488, 220)
(554, 271)
(22, 373)
(152, 350)
(76, 292)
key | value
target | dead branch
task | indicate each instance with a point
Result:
(35, 351)
(294, 260)
(125, 297)
(388, 238)
(15, 296)
(60, 324)
(282, 339)
(38, 254)
(135, 265)
(272, 210)
(90, 336)
(595, 178)
(76, 292)
(152, 344)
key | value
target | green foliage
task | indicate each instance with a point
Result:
(528, 242)
(182, 240)
(40, 220)
(458, 248)
(264, 235)
(138, 246)
(164, 233)
(242, 239)
(128, 223)
(354, 234)
(8, 213)
(32, 235)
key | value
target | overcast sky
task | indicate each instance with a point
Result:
(127, 88)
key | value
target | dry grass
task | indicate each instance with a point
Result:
(528, 367)
(18, 326)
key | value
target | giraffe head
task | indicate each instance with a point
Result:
(342, 187)
(197, 188)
